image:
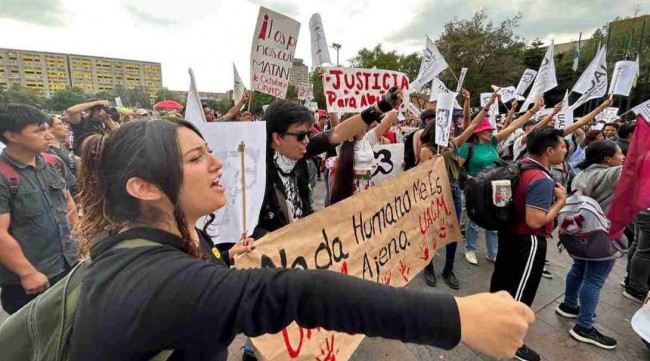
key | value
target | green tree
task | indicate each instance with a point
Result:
(292, 93)
(64, 99)
(259, 100)
(19, 94)
(377, 57)
(534, 54)
(319, 94)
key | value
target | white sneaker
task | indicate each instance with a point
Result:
(491, 259)
(470, 256)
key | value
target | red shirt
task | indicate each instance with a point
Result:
(390, 136)
(535, 189)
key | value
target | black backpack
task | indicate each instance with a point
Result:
(409, 153)
(489, 199)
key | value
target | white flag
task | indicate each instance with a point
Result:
(118, 102)
(507, 93)
(545, 79)
(623, 77)
(564, 118)
(525, 81)
(444, 114)
(593, 82)
(319, 51)
(238, 88)
(461, 79)
(494, 108)
(194, 109)
(643, 110)
(437, 87)
(432, 64)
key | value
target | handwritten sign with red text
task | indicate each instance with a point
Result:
(386, 234)
(352, 90)
(274, 45)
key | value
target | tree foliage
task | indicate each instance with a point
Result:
(21, 95)
(377, 57)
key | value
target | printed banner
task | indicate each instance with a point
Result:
(228, 225)
(274, 45)
(319, 51)
(545, 79)
(564, 118)
(238, 88)
(386, 234)
(461, 79)
(388, 162)
(623, 77)
(352, 89)
(525, 81)
(433, 63)
(306, 91)
(194, 109)
(444, 116)
(593, 82)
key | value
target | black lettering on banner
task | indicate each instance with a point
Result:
(299, 262)
(384, 162)
(331, 252)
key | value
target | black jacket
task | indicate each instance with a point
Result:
(273, 214)
(136, 302)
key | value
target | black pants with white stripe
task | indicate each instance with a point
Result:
(519, 266)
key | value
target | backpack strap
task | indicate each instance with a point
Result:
(11, 175)
(52, 160)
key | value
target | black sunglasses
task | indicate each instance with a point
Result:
(299, 136)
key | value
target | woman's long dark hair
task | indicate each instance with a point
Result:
(428, 136)
(591, 137)
(344, 179)
(144, 149)
(596, 153)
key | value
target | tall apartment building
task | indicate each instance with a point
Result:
(49, 72)
(299, 73)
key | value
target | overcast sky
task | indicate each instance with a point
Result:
(209, 35)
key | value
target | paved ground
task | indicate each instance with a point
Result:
(548, 335)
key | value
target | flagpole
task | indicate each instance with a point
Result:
(452, 73)
(241, 149)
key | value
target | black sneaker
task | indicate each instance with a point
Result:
(527, 354)
(450, 279)
(592, 337)
(547, 274)
(634, 296)
(430, 275)
(566, 311)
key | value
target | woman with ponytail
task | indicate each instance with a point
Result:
(151, 181)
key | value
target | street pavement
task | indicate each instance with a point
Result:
(549, 335)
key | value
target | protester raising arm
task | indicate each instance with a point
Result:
(511, 113)
(467, 114)
(502, 135)
(234, 111)
(74, 112)
(587, 118)
(556, 109)
(470, 127)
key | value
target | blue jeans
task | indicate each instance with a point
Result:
(583, 284)
(450, 248)
(471, 236)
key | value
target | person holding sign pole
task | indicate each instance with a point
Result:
(428, 150)
(148, 182)
(479, 153)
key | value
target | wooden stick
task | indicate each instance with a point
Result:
(454, 74)
(241, 149)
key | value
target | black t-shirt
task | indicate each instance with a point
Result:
(136, 302)
(87, 127)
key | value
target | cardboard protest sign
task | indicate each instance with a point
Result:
(305, 91)
(593, 81)
(238, 88)
(386, 234)
(352, 89)
(545, 80)
(319, 51)
(565, 117)
(388, 162)
(623, 77)
(227, 225)
(525, 81)
(274, 45)
(194, 109)
(444, 116)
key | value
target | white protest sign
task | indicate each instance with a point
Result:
(194, 109)
(305, 91)
(461, 79)
(415, 111)
(238, 88)
(437, 87)
(525, 81)
(444, 116)
(118, 102)
(593, 82)
(609, 114)
(319, 51)
(494, 108)
(507, 93)
(224, 138)
(599, 126)
(313, 106)
(545, 79)
(274, 45)
(352, 89)
(388, 162)
(643, 110)
(433, 63)
(623, 78)
(565, 117)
